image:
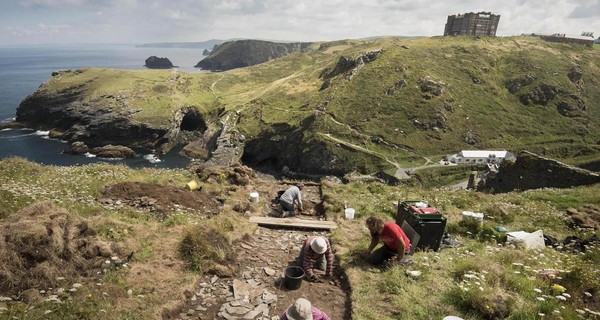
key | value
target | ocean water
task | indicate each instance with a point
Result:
(24, 68)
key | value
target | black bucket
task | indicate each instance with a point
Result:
(293, 277)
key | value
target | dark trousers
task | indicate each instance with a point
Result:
(382, 254)
(289, 207)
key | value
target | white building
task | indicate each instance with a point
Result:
(480, 157)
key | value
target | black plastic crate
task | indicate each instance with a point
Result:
(429, 226)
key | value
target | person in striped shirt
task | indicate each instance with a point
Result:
(316, 251)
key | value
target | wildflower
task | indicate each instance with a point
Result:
(566, 295)
(559, 288)
(561, 298)
(540, 299)
(537, 290)
(587, 294)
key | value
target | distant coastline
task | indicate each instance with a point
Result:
(185, 45)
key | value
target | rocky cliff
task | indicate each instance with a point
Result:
(244, 53)
(339, 107)
(155, 62)
(531, 171)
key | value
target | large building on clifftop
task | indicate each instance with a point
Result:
(472, 24)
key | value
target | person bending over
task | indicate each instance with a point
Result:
(395, 242)
(289, 197)
(316, 252)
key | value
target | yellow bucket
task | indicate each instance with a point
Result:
(192, 185)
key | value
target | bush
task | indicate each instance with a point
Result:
(202, 249)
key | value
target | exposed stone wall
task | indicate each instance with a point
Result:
(585, 42)
(531, 171)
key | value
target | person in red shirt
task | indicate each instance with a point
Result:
(395, 242)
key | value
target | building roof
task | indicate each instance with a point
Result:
(483, 153)
(569, 36)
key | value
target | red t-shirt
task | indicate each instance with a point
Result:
(392, 232)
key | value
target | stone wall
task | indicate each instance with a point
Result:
(531, 171)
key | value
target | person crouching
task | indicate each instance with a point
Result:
(316, 252)
(395, 242)
(302, 309)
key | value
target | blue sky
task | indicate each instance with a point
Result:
(143, 21)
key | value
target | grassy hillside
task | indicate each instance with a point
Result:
(483, 279)
(450, 93)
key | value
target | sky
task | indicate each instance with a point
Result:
(148, 21)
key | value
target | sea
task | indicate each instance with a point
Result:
(24, 68)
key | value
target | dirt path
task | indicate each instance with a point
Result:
(257, 291)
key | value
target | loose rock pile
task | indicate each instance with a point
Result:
(257, 292)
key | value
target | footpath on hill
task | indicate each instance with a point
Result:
(257, 290)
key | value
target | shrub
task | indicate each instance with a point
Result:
(203, 248)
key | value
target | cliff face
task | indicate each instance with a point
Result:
(244, 53)
(89, 121)
(531, 171)
(75, 114)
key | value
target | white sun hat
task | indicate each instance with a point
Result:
(300, 310)
(319, 245)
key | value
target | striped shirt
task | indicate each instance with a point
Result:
(310, 257)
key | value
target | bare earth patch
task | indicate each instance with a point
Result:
(159, 198)
(257, 290)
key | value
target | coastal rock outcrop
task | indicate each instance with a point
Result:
(531, 171)
(77, 147)
(244, 53)
(155, 62)
(114, 152)
(86, 121)
(71, 115)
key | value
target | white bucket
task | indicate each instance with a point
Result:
(472, 215)
(349, 213)
(254, 196)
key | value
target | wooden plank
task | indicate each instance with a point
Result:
(294, 222)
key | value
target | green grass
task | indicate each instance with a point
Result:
(286, 91)
(479, 280)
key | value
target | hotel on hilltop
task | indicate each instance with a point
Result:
(472, 24)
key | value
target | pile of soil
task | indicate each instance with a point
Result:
(236, 174)
(160, 198)
(41, 244)
(587, 216)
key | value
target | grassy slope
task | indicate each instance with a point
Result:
(157, 276)
(375, 295)
(286, 91)
(505, 276)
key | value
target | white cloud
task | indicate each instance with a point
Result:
(40, 29)
(296, 20)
